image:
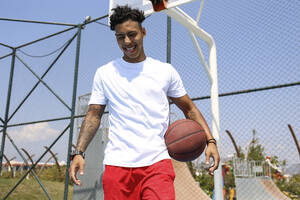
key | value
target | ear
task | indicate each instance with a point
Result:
(143, 31)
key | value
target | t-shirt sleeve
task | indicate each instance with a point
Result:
(176, 88)
(98, 96)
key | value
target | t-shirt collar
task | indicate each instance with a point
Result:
(132, 65)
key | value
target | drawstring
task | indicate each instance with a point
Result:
(130, 174)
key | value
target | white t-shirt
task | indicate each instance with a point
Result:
(136, 97)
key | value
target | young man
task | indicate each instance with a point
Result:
(136, 89)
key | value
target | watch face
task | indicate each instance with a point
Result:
(77, 152)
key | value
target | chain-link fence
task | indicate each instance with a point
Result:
(258, 70)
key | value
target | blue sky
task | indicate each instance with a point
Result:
(257, 45)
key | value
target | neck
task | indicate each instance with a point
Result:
(140, 58)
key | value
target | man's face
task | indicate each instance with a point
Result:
(130, 37)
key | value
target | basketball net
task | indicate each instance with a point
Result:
(170, 8)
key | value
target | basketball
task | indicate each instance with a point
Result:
(185, 140)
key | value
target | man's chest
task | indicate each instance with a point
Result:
(141, 85)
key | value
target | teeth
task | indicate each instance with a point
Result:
(131, 48)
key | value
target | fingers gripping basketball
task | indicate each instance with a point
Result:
(185, 140)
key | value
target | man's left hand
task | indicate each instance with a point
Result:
(212, 152)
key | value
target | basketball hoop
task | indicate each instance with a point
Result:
(159, 5)
(148, 6)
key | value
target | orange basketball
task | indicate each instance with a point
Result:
(185, 140)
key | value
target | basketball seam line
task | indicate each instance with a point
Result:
(175, 126)
(186, 152)
(185, 136)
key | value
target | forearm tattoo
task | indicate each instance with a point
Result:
(89, 127)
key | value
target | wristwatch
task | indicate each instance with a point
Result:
(77, 152)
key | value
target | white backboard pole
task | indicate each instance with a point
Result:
(189, 23)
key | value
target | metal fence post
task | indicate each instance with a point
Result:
(72, 111)
(11, 76)
(169, 23)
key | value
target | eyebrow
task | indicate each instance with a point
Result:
(121, 34)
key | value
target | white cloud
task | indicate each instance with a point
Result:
(33, 133)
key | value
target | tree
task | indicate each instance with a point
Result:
(256, 150)
(294, 185)
(206, 182)
(242, 154)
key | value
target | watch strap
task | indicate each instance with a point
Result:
(77, 152)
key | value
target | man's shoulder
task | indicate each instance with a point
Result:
(108, 66)
(159, 64)
(155, 60)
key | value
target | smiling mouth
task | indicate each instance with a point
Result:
(130, 50)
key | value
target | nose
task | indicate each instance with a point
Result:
(127, 40)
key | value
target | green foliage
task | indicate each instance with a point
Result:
(255, 153)
(242, 154)
(6, 175)
(256, 150)
(292, 187)
(30, 189)
(53, 174)
(48, 174)
(206, 183)
(229, 181)
(191, 168)
(274, 160)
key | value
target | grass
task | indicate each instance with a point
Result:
(30, 189)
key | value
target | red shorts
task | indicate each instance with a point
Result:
(154, 182)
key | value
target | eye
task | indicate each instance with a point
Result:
(120, 37)
(132, 34)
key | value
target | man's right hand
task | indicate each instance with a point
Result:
(77, 165)
(88, 130)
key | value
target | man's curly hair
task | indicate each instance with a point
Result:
(124, 13)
